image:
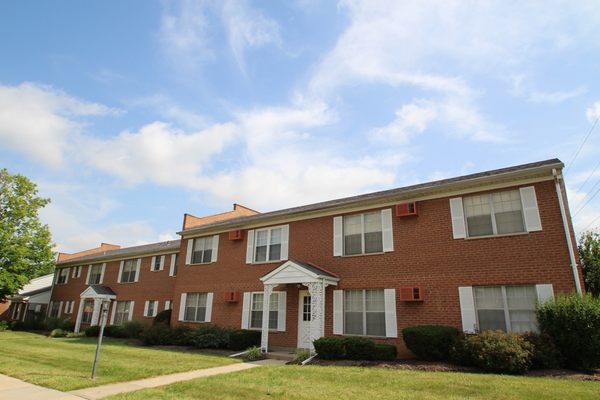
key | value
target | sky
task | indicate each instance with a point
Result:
(128, 114)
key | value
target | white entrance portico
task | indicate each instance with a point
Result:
(311, 322)
(96, 294)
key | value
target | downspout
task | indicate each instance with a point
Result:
(565, 221)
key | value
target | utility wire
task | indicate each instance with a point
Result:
(589, 199)
(589, 176)
(591, 223)
(582, 143)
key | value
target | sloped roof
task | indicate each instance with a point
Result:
(125, 252)
(98, 291)
(37, 285)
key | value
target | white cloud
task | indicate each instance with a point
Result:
(522, 87)
(185, 34)
(157, 153)
(593, 112)
(247, 27)
(411, 119)
(32, 114)
(172, 112)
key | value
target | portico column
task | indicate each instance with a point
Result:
(96, 312)
(264, 340)
(317, 311)
(79, 316)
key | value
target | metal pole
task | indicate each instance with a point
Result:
(103, 314)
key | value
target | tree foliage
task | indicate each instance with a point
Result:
(589, 255)
(25, 243)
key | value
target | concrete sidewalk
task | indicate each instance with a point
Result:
(100, 392)
(16, 389)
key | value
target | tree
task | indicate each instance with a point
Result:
(25, 243)
(589, 254)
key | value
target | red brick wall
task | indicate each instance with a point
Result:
(425, 254)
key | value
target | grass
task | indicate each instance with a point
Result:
(65, 364)
(315, 382)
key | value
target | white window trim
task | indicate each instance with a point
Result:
(58, 275)
(136, 278)
(387, 234)
(281, 311)
(213, 254)
(391, 323)
(154, 308)
(102, 268)
(493, 215)
(172, 266)
(207, 314)
(251, 248)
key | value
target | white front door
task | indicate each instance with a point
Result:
(304, 319)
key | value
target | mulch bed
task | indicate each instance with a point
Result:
(439, 366)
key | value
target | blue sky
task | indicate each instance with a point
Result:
(129, 114)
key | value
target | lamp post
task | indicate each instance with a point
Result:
(103, 315)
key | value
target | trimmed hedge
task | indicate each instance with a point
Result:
(163, 317)
(430, 342)
(241, 339)
(573, 322)
(92, 331)
(330, 347)
(353, 348)
(494, 351)
(544, 354)
(157, 335)
(385, 352)
(359, 348)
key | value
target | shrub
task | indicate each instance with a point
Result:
(157, 335)
(92, 331)
(573, 322)
(182, 336)
(132, 329)
(494, 351)
(16, 325)
(67, 325)
(385, 352)
(34, 325)
(209, 336)
(52, 323)
(58, 333)
(359, 348)
(163, 317)
(241, 339)
(254, 353)
(330, 347)
(113, 331)
(75, 335)
(301, 355)
(430, 342)
(544, 354)
(3, 326)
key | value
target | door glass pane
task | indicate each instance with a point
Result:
(306, 308)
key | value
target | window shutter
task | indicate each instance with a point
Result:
(137, 269)
(49, 308)
(87, 279)
(246, 310)
(209, 303)
(459, 230)
(544, 293)
(182, 306)
(281, 308)
(114, 311)
(146, 306)
(338, 312)
(285, 233)
(172, 267)
(391, 324)
(167, 304)
(467, 309)
(215, 248)
(337, 236)
(102, 273)
(188, 254)
(250, 247)
(162, 262)
(59, 309)
(152, 261)
(531, 212)
(67, 304)
(388, 232)
(155, 309)
(73, 272)
(131, 310)
(120, 271)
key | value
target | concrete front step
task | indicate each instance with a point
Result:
(284, 354)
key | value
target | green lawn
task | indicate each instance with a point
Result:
(315, 382)
(65, 364)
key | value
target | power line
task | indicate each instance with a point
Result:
(589, 176)
(589, 199)
(591, 223)
(582, 143)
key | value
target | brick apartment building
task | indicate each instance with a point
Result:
(476, 252)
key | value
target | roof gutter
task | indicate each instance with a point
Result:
(563, 213)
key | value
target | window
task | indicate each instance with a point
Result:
(195, 307)
(202, 252)
(55, 309)
(363, 233)
(157, 262)
(267, 245)
(494, 214)
(95, 274)
(168, 304)
(76, 272)
(506, 308)
(88, 310)
(62, 276)
(256, 311)
(151, 308)
(174, 260)
(364, 312)
(122, 312)
(306, 314)
(129, 271)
